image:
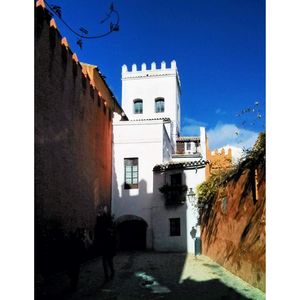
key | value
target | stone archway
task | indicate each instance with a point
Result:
(131, 232)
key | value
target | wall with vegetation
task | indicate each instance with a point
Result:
(233, 217)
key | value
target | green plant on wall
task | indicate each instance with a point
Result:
(174, 194)
(208, 191)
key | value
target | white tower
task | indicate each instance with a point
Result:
(152, 93)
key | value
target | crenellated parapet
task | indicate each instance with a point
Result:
(227, 153)
(152, 71)
(219, 159)
(66, 57)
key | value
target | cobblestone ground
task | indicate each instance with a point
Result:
(150, 275)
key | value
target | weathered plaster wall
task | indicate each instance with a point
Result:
(219, 160)
(73, 135)
(233, 234)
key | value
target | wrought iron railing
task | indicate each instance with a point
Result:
(174, 194)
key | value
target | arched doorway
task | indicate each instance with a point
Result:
(132, 232)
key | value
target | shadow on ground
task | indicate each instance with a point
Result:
(187, 290)
(139, 275)
(208, 290)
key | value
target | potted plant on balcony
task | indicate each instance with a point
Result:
(174, 194)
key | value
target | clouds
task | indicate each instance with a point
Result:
(222, 136)
(237, 152)
(230, 134)
(191, 127)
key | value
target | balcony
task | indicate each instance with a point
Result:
(174, 194)
(187, 146)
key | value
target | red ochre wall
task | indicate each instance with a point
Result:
(233, 233)
(73, 135)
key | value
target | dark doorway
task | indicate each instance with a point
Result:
(132, 235)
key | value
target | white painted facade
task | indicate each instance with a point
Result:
(142, 140)
(149, 85)
(186, 212)
(151, 138)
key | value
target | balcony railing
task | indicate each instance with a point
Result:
(174, 194)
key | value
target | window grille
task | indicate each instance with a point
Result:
(131, 173)
(138, 106)
(174, 226)
(159, 105)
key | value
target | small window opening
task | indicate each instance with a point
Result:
(159, 105)
(131, 173)
(138, 106)
(176, 179)
(174, 226)
(188, 146)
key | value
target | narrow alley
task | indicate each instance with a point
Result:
(131, 155)
(151, 275)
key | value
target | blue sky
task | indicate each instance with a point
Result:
(219, 47)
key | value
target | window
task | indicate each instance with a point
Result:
(159, 105)
(176, 179)
(131, 173)
(188, 146)
(174, 226)
(138, 106)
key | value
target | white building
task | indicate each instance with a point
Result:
(149, 154)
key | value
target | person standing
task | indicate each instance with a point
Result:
(106, 244)
(76, 252)
(108, 252)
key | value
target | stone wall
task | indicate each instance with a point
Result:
(73, 135)
(233, 232)
(218, 160)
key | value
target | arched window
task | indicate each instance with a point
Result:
(138, 106)
(159, 105)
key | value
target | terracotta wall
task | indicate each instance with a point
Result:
(233, 230)
(73, 135)
(218, 160)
